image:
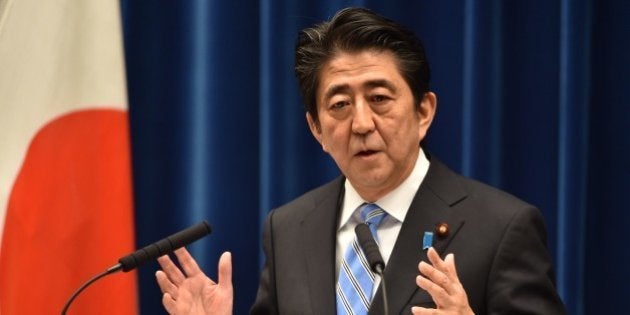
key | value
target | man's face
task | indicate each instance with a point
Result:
(368, 121)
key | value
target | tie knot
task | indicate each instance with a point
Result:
(372, 214)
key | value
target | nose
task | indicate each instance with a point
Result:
(363, 120)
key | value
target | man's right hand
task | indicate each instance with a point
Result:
(190, 291)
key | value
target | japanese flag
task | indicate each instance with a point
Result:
(65, 182)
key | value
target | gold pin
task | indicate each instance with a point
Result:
(441, 229)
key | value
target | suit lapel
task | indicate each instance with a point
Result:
(431, 206)
(320, 231)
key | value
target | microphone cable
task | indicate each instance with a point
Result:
(111, 270)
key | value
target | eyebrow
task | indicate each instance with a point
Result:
(380, 83)
(335, 89)
(340, 88)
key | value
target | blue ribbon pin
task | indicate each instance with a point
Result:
(427, 240)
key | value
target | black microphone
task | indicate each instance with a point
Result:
(164, 246)
(153, 251)
(373, 255)
(370, 248)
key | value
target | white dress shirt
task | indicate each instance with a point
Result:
(396, 204)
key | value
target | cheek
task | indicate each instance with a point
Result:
(328, 137)
(402, 137)
(398, 131)
(335, 138)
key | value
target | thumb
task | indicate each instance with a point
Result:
(225, 269)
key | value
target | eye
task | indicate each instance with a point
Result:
(339, 105)
(379, 98)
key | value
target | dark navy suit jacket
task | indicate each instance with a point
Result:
(499, 244)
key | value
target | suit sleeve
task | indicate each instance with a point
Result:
(266, 300)
(521, 279)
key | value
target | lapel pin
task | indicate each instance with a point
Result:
(441, 229)
(427, 240)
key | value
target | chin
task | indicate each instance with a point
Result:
(368, 180)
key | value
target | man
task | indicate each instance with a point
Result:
(365, 83)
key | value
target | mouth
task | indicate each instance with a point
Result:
(366, 153)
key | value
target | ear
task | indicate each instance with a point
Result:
(426, 112)
(316, 129)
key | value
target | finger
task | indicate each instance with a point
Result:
(187, 262)
(436, 276)
(169, 303)
(435, 259)
(171, 270)
(417, 310)
(452, 281)
(458, 288)
(442, 265)
(437, 293)
(166, 286)
(449, 261)
(225, 269)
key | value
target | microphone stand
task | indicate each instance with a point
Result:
(379, 269)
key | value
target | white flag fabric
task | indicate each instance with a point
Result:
(66, 209)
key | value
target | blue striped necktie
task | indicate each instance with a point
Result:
(356, 279)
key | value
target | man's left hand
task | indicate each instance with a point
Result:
(440, 280)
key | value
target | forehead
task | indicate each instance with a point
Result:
(355, 69)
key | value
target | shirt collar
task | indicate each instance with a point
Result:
(397, 202)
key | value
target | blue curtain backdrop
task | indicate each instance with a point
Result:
(533, 98)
